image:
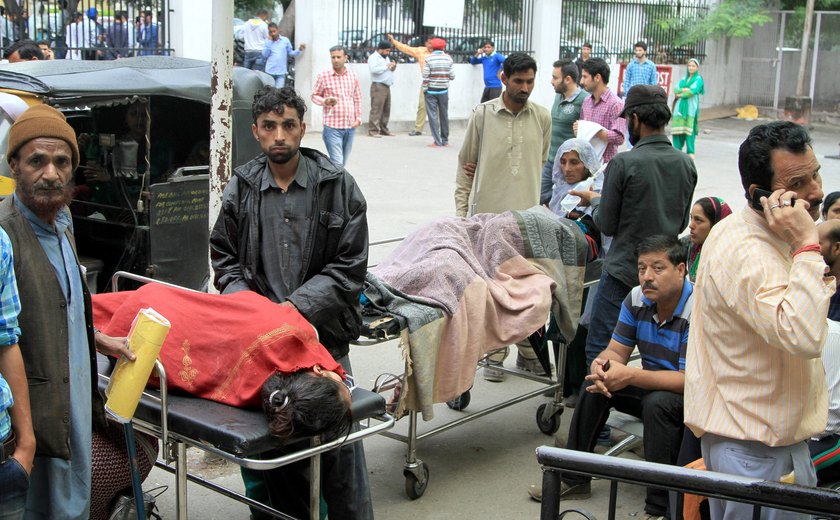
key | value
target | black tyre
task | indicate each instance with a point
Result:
(550, 426)
(416, 488)
(460, 402)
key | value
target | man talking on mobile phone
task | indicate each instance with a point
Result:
(755, 389)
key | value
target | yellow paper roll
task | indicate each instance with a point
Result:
(148, 331)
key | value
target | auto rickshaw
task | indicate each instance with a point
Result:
(142, 187)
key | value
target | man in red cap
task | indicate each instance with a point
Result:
(437, 73)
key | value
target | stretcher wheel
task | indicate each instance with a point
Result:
(548, 426)
(415, 488)
(460, 402)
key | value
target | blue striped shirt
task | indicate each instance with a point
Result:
(661, 345)
(9, 330)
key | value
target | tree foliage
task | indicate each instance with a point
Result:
(728, 19)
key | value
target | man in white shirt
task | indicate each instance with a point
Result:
(381, 79)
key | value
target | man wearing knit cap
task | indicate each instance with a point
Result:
(57, 335)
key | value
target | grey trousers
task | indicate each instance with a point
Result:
(437, 108)
(380, 108)
(757, 460)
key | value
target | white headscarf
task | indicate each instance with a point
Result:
(590, 159)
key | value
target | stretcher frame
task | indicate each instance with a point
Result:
(415, 471)
(175, 443)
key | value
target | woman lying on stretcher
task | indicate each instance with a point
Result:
(242, 350)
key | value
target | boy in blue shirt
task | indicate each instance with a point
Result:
(492, 62)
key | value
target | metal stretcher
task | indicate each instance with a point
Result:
(235, 434)
(378, 328)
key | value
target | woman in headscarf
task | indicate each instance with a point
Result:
(575, 162)
(687, 108)
(705, 213)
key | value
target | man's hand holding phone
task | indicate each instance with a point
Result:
(787, 217)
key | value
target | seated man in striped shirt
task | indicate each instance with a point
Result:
(655, 318)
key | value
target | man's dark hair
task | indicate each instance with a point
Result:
(667, 244)
(654, 115)
(597, 66)
(43, 42)
(488, 42)
(641, 44)
(26, 49)
(384, 44)
(272, 25)
(147, 13)
(518, 62)
(262, 12)
(568, 68)
(829, 201)
(336, 48)
(754, 155)
(271, 99)
(587, 45)
(833, 234)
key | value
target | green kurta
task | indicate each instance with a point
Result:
(687, 109)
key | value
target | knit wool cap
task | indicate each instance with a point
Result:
(41, 121)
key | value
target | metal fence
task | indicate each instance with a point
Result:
(89, 30)
(612, 27)
(822, 503)
(771, 58)
(365, 23)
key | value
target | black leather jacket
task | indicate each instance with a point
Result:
(335, 257)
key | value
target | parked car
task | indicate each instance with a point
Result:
(360, 53)
(147, 216)
(351, 38)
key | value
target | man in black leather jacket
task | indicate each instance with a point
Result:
(293, 228)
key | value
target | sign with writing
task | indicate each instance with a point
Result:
(663, 76)
(179, 231)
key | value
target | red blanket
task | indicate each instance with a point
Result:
(220, 347)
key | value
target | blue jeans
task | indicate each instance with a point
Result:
(279, 80)
(14, 483)
(254, 60)
(339, 142)
(437, 108)
(608, 299)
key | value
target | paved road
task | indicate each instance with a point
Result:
(481, 470)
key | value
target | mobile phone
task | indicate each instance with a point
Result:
(759, 192)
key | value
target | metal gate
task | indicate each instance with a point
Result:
(771, 59)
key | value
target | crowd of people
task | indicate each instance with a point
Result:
(86, 37)
(733, 322)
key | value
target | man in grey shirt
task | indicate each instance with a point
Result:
(293, 228)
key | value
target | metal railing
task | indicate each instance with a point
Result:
(824, 503)
(96, 30)
(612, 27)
(365, 23)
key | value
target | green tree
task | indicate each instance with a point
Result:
(728, 19)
